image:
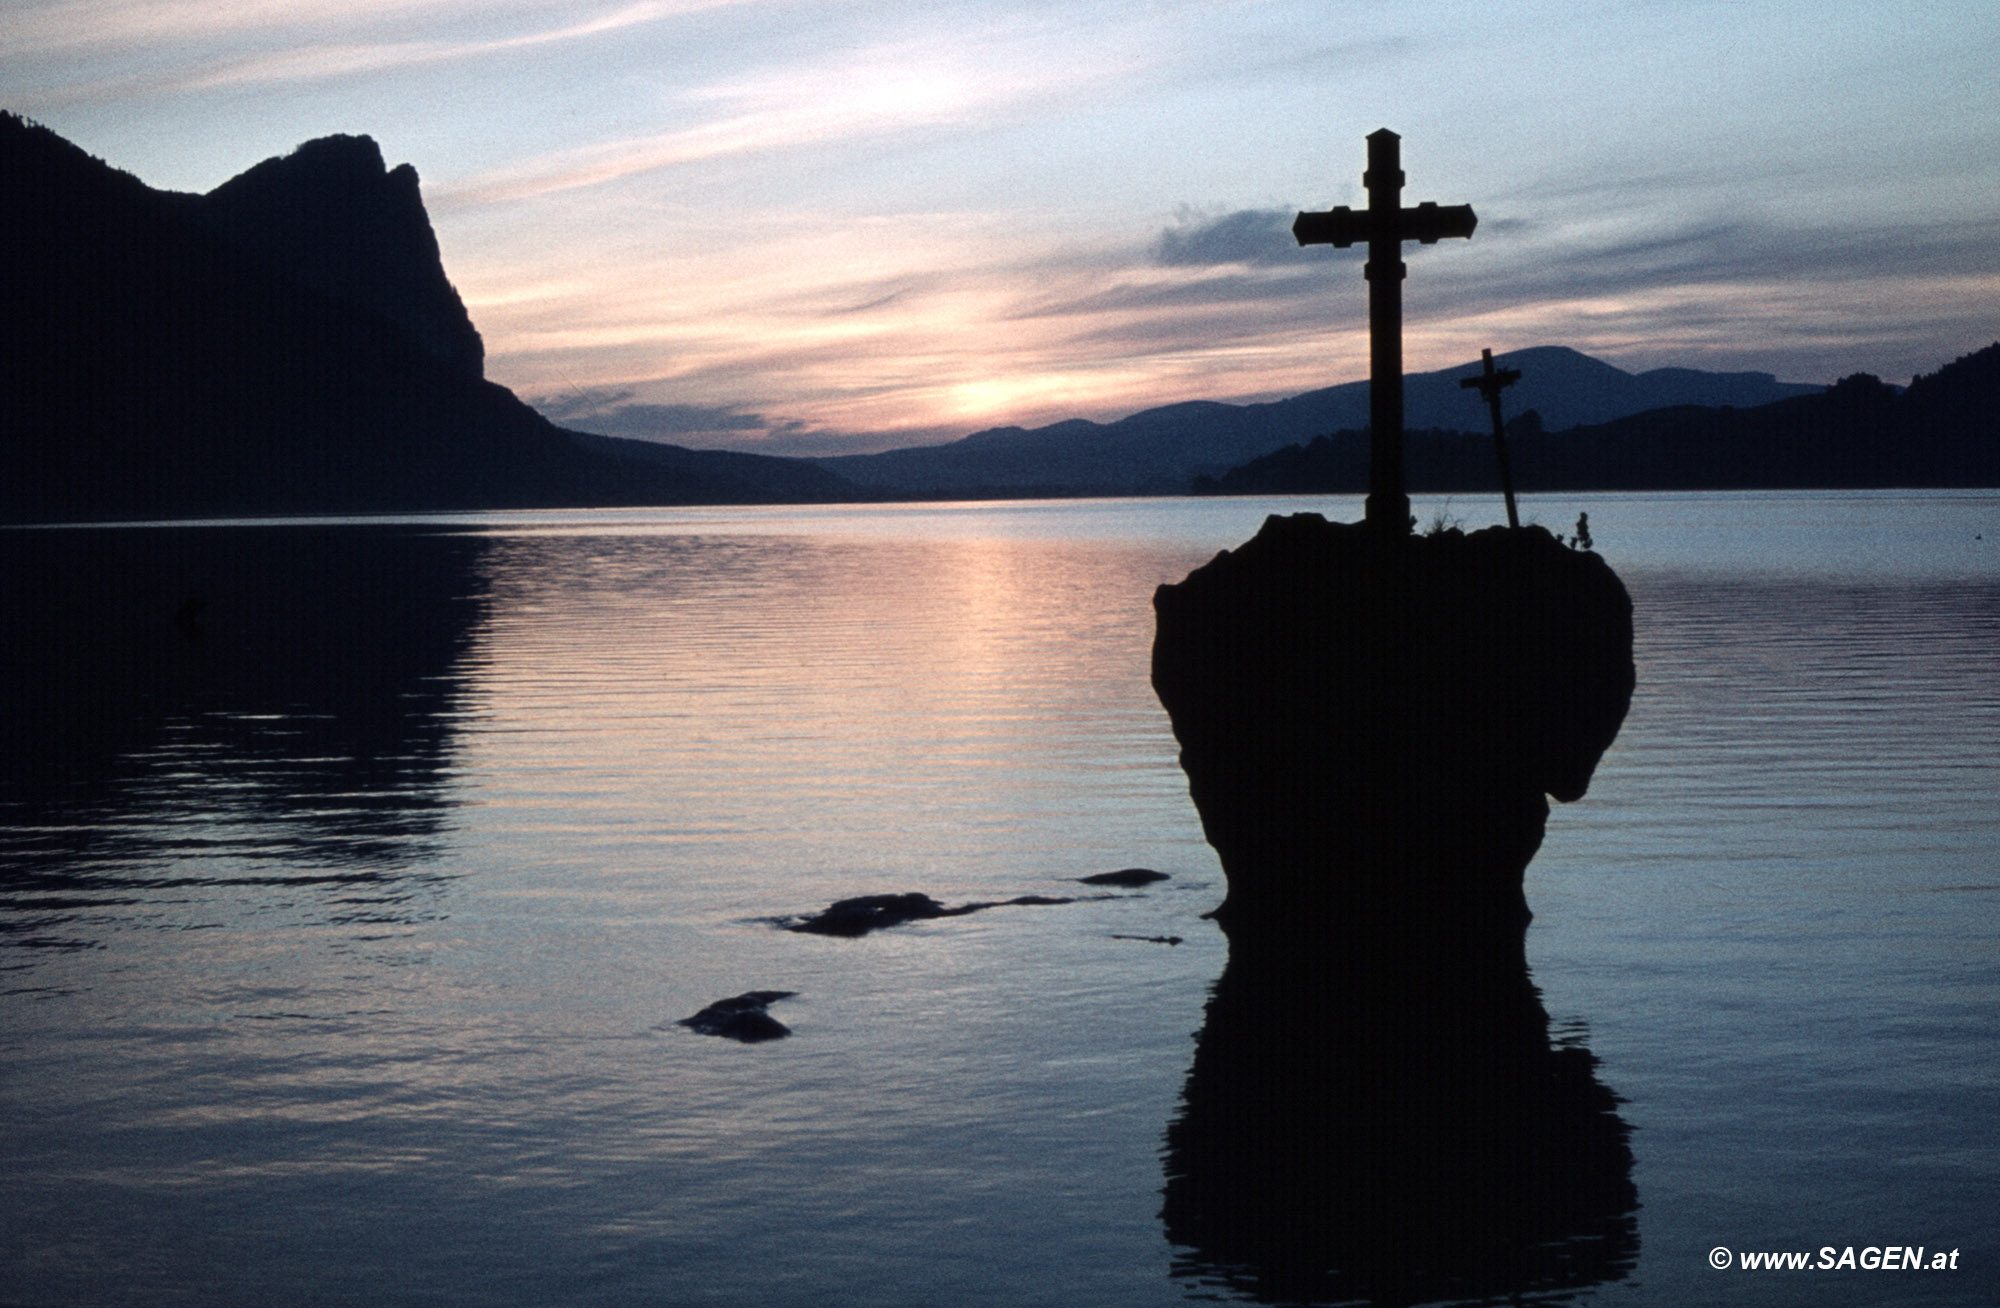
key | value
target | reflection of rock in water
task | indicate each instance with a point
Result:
(1393, 1131)
(1370, 725)
(279, 696)
(337, 644)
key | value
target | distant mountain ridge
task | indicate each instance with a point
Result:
(1161, 451)
(287, 344)
(1943, 430)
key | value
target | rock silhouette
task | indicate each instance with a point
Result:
(1370, 723)
(745, 1017)
(1124, 876)
(864, 913)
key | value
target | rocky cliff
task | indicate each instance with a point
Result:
(1371, 724)
(332, 216)
(287, 344)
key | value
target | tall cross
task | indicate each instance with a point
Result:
(1385, 225)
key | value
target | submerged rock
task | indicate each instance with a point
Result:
(865, 913)
(744, 1017)
(1125, 876)
(1370, 724)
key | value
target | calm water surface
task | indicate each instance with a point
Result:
(353, 876)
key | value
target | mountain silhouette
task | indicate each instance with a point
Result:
(1160, 451)
(288, 343)
(336, 219)
(1941, 431)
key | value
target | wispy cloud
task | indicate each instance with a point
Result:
(763, 130)
(346, 60)
(79, 24)
(71, 25)
(198, 48)
(972, 79)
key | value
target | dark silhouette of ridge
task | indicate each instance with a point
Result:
(1941, 431)
(286, 344)
(1161, 450)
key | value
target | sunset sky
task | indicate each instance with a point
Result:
(808, 227)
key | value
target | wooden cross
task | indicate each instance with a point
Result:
(1385, 225)
(1490, 383)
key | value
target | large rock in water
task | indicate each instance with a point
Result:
(1370, 724)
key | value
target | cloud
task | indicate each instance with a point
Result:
(340, 61)
(1345, 56)
(1210, 304)
(1247, 236)
(1150, 296)
(613, 413)
(1739, 250)
(300, 41)
(874, 300)
(1247, 257)
(870, 332)
(72, 24)
(974, 79)
(48, 28)
(802, 123)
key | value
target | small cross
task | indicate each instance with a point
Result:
(1490, 383)
(1385, 225)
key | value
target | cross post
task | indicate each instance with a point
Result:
(1384, 226)
(1490, 383)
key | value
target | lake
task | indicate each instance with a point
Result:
(354, 877)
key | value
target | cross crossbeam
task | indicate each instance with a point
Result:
(1341, 226)
(1383, 226)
